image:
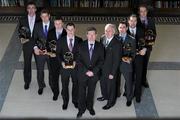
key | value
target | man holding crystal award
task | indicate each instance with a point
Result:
(26, 33)
(128, 55)
(137, 33)
(42, 57)
(54, 36)
(67, 51)
(149, 29)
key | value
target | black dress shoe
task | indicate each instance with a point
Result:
(128, 103)
(138, 100)
(26, 86)
(145, 84)
(55, 97)
(40, 91)
(106, 107)
(79, 115)
(64, 107)
(100, 98)
(92, 112)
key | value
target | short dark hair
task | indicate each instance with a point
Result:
(58, 18)
(30, 3)
(92, 29)
(142, 5)
(70, 24)
(124, 23)
(132, 15)
(45, 11)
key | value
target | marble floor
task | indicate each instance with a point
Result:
(161, 100)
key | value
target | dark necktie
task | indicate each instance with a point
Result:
(70, 44)
(91, 51)
(133, 33)
(45, 30)
(107, 43)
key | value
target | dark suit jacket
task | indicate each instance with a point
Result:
(52, 36)
(113, 54)
(84, 62)
(126, 67)
(139, 34)
(39, 32)
(24, 22)
(62, 48)
(150, 25)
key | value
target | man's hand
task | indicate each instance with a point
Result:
(111, 77)
(143, 51)
(89, 73)
(126, 60)
(37, 51)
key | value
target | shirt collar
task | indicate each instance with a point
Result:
(46, 24)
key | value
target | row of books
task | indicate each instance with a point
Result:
(89, 3)
(69, 3)
(7, 3)
(19, 3)
(167, 4)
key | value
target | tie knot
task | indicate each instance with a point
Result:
(91, 44)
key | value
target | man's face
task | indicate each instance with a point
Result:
(132, 22)
(91, 35)
(31, 9)
(70, 31)
(143, 11)
(58, 24)
(45, 17)
(122, 28)
(109, 32)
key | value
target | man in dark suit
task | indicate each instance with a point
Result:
(90, 60)
(126, 66)
(55, 35)
(40, 34)
(138, 34)
(68, 45)
(113, 52)
(146, 23)
(29, 21)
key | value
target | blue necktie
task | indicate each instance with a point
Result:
(90, 51)
(45, 30)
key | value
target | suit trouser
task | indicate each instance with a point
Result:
(65, 77)
(87, 87)
(118, 84)
(55, 68)
(145, 64)
(128, 85)
(137, 75)
(108, 89)
(40, 64)
(27, 55)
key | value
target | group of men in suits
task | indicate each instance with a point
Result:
(106, 60)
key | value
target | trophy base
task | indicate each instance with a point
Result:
(127, 58)
(23, 40)
(150, 43)
(51, 54)
(71, 66)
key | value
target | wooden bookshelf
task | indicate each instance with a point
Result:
(100, 10)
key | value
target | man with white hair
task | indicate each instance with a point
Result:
(113, 51)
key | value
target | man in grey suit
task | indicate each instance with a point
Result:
(126, 67)
(113, 52)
